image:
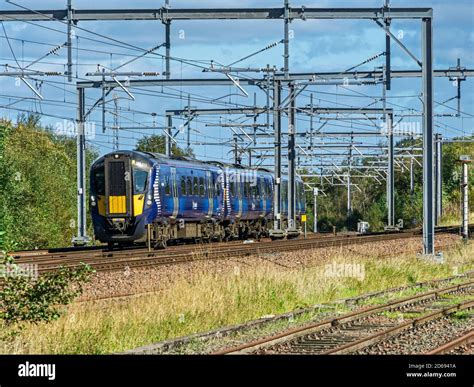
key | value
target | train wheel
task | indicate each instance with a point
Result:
(110, 245)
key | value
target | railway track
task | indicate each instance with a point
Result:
(354, 331)
(104, 260)
(458, 345)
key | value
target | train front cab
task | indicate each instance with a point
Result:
(119, 185)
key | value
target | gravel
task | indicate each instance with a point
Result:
(424, 338)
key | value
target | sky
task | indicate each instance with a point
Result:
(315, 45)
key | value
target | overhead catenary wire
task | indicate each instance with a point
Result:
(171, 96)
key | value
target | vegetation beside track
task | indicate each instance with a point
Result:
(37, 185)
(209, 301)
(26, 299)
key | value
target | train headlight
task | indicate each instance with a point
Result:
(93, 203)
(149, 201)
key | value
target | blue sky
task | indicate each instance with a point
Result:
(322, 45)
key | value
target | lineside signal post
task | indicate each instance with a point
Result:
(315, 210)
(303, 219)
(465, 160)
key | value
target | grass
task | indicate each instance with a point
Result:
(461, 315)
(454, 299)
(453, 218)
(209, 301)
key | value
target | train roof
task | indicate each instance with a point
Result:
(185, 161)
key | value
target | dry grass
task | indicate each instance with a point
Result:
(207, 301)
(452, 216)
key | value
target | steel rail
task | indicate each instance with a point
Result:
(466, 339)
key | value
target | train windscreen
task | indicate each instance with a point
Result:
(117, 183)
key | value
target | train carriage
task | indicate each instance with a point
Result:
(250, 199)
(148, 197)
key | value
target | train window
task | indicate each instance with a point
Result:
(195, 186)
(232, 188)
(139, 181)
(189, 186)
(183, 185)
(201, 187)
(217, 188)
(99, 181)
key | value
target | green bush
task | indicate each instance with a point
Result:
(26, 299)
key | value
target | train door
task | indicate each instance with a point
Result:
(165, 189)
(255, 195)
(210, 193)
(238, 184)
(263, 196)
(174, 192)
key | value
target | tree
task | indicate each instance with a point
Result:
(37, 185)
(156, 143)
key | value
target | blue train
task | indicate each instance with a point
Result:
(148, 197)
